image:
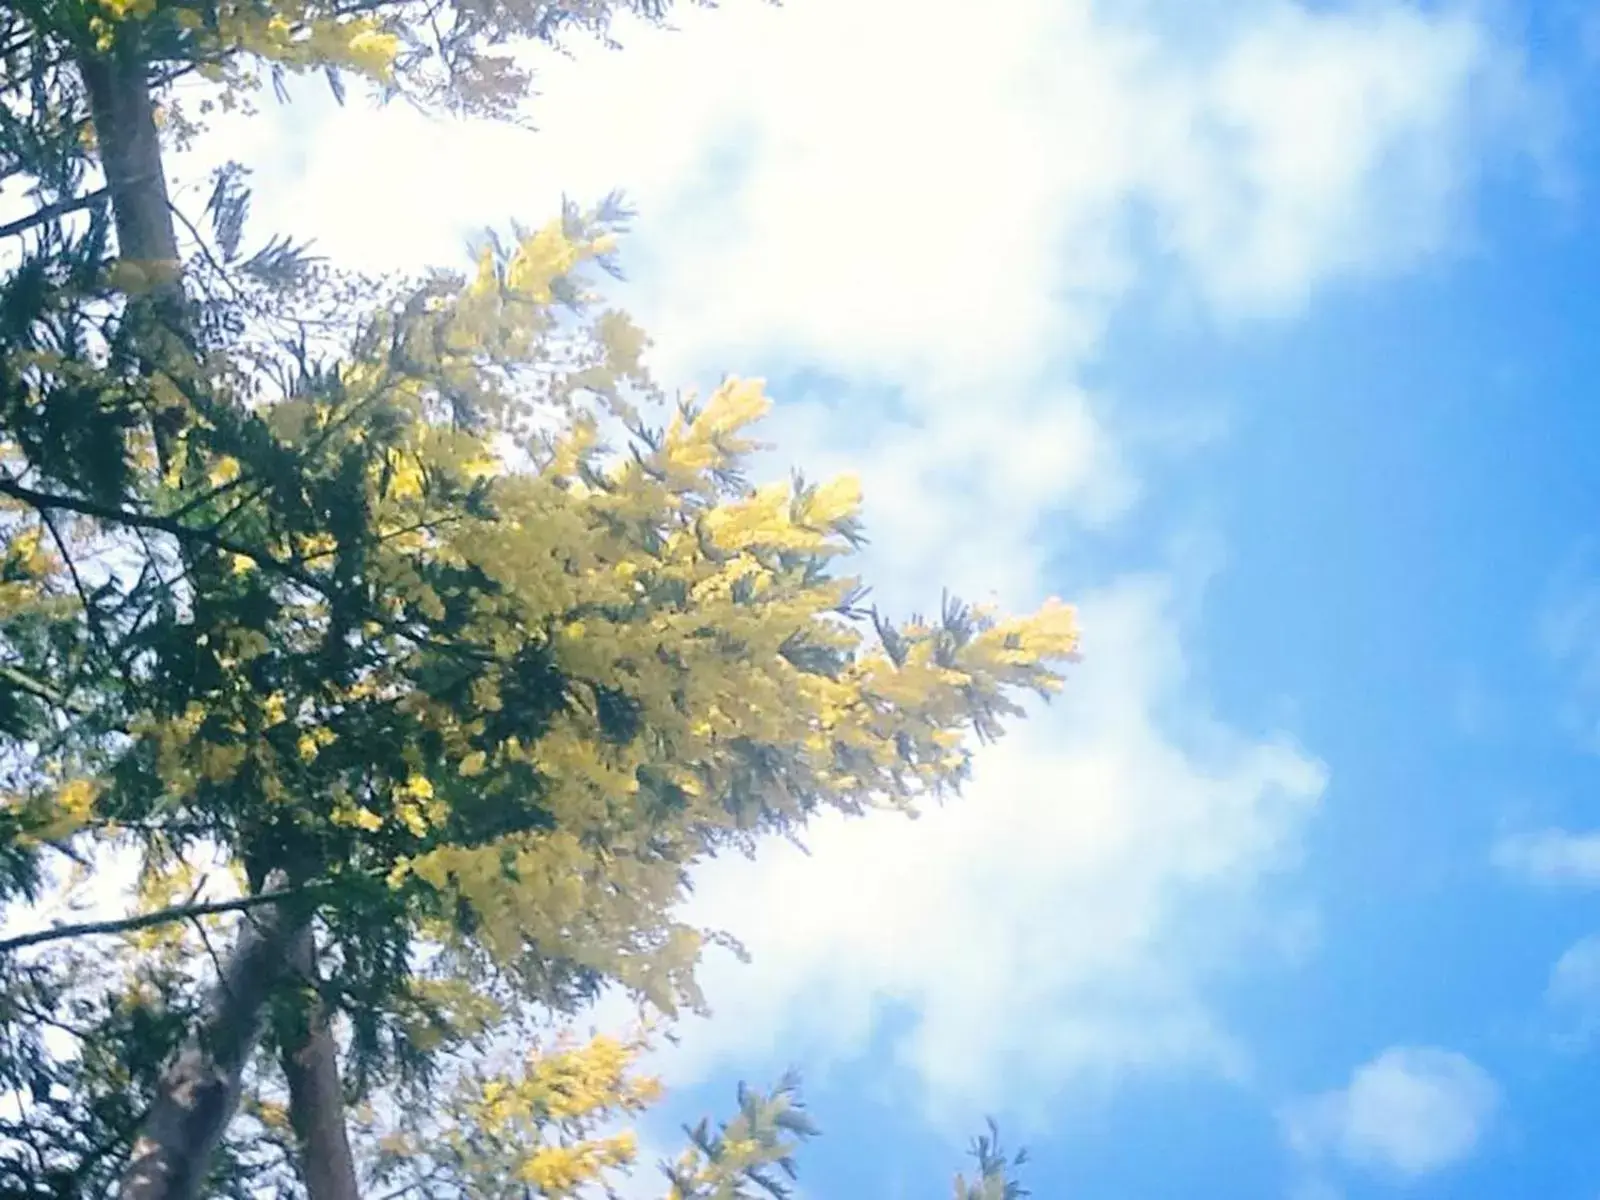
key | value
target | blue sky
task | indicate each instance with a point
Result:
(1262, 331)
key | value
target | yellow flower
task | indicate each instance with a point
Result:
(412, 818)
(835, 500)
(481, 466)
(405, 479)
(225, 471)
(732, 406)
(76, 799)
(353, 816)
(373, 51)
(317, 545)
(273, 709)
(545, 256)
(273, 1116)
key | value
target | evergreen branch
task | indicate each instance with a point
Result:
(205, 249)
(90, 616)
(135, 520)
(51, 211)
(200, 501)
(160, 524)
(31, 685)
(181, 912)
(17, 43)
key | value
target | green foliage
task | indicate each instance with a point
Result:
(552, 1124)
(751, 1155)
(995, 1179)
(79, 1056)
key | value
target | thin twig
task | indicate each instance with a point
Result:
(144, 920)
(216, 960)
(90, 615)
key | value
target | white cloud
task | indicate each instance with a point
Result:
(1041, 931)
(1573, 993)
(1553, 857)
(1323, 145)
(1568, 631)
(949, 210)
(1409, 1112)
(898, 191)
(1315, 1189)
(942, 213)
(1575, 979)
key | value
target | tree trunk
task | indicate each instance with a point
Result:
(124, 117)
(199, 1091)
(316, 1094)
(130, 152)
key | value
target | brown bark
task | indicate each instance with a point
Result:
(130, 152)
(199, 1090)
(310, 1060)
(123, 113)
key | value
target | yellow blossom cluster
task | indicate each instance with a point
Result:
(293, 34)
(542, 1127)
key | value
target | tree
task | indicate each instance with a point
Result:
(339, 582)
(549, 1121)
(429, 699)
(83, 85)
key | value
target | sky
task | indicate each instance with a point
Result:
(1260, 331)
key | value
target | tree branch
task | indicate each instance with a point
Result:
(42, 690)
(168, 525)
(51, 211)
(182, 912)
(175, 528)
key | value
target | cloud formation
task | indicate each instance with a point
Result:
(1411, 1111)
(1572, 995)
(925, 222)
(1567, 629)
(942, 214)
(1551, 857)
(1575, 979)
(1029, 936)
